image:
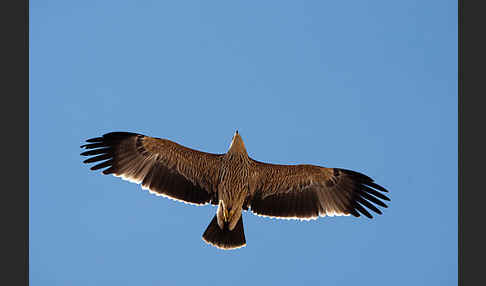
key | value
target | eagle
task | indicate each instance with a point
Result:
(234, 182)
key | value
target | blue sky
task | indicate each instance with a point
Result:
(364, 85)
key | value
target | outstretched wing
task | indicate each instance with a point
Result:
(307, 191)
(159, 165)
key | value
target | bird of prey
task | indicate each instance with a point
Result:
(234, 182)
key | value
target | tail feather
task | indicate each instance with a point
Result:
(224, 238)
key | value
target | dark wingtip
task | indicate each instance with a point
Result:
(375, 193)
(104, 164)
(362, 210)
(95, 139)
(97, 151)
(362, 178)
(94, 145)
(369, 205)
(378, 187)
(357, 175)
(106, 138)
(101, 157)
(354, 213)
(102, 148)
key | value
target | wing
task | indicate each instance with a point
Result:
(307, 192)
(159, 165)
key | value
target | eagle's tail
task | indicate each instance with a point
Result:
(225, 238)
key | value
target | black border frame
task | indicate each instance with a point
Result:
(15, 143)
(470, 142)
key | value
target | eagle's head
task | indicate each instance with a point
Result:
(237, 144)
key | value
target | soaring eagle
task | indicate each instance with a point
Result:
(234, 182)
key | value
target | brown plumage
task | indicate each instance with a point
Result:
(234, 182)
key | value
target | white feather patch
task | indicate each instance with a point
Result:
(223, 248)
(327, 213)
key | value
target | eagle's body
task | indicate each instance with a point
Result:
(233, 188)
(234, 182)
